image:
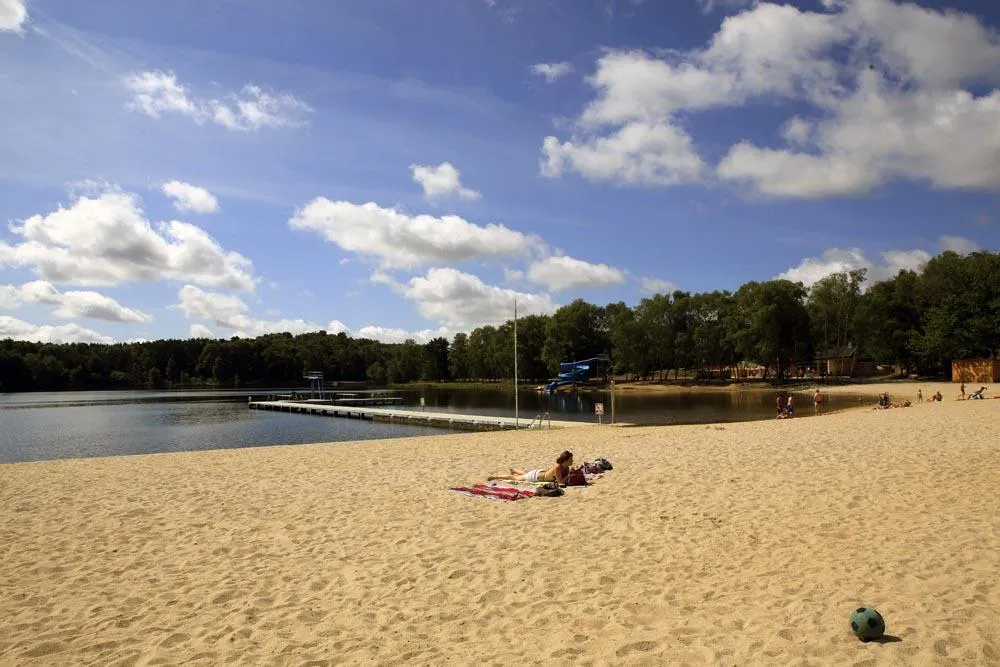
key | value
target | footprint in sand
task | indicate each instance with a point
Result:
(174, 640)
(636, 647)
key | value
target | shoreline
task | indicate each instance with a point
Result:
(739, 543)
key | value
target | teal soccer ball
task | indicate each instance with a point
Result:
(867, 624)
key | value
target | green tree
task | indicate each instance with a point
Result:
(776, 323)
(833, 303)
(436, 360)
(573, 332)
(458, 357)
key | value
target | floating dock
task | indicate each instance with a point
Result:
(416, 417)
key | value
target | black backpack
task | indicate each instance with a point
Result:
(549, 489)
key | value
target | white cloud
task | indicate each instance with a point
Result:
(638, 153)
(512, 275)
(401, 240)
(837, 260)
(457, 299)
(561, 272)
(200, 331)
(390, 335)
(230, 312)
(106, 240)
(552, 71)
(70, 304)
(189, 197)
(443, 180)
(45, 333)
(336, 327)
(253, 109)
(156, 92)
(657, 286)
(711, 5)
(797, 131)
(895, 92)
(959, 244)
(13, 16)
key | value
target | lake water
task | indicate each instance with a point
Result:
(57, 425)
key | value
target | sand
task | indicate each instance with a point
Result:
(742, 544)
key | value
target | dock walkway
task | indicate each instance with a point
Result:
(417, 417)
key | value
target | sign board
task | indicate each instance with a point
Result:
(423, 401)
(599, 409)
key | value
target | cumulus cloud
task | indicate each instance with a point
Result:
(837, 260)
(200, 331)
(462, 300)
(560, 272)
(45, 333)
(405, 241)
(656, 286)
(155, 93)
(189, 197)
(106, 240)
(894, 91)
(336, 327)
(443, 180)
(391, 335)
(13, 16)
(70, 304)
(959, 244)
(230, 312)
(552, 71)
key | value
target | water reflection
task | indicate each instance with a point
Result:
(73, 424)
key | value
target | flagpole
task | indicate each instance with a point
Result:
(515, 366)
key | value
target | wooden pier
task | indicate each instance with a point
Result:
(416, 417)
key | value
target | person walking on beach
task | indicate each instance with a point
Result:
(817, 402)
(920, 395)
(962, 389)
(556, 473)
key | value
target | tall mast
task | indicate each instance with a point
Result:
(515, 366)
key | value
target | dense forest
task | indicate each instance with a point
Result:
(917, 322)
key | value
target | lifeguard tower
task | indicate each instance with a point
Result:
(317, 385)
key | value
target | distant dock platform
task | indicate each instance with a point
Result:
(462, 422)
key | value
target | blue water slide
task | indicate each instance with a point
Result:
(572, 372)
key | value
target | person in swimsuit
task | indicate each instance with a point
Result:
(817, 402)
(555, 473)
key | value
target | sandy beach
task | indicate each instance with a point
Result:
(737, 544)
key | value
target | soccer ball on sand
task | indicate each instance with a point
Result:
(867, 624)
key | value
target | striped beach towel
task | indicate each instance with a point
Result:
(493, 492)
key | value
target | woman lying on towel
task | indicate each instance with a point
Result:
(556, 473)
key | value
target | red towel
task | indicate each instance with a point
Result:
(494, 492)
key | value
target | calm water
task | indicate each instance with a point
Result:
(42, 426)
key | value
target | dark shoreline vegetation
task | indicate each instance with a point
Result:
(915, 323)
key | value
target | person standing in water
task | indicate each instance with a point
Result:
(817, 402)
(790, 406)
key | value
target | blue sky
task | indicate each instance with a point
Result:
(401, 169)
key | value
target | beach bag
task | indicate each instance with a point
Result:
(549, 489)
(576, 477)
(605, 464)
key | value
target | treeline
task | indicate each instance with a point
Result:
(918, 322)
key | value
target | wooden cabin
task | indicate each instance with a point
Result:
(975, 370)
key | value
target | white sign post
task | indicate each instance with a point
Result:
(423, 402)
(599, 411)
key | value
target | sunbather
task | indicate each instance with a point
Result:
(978, 394)
(556, 473)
